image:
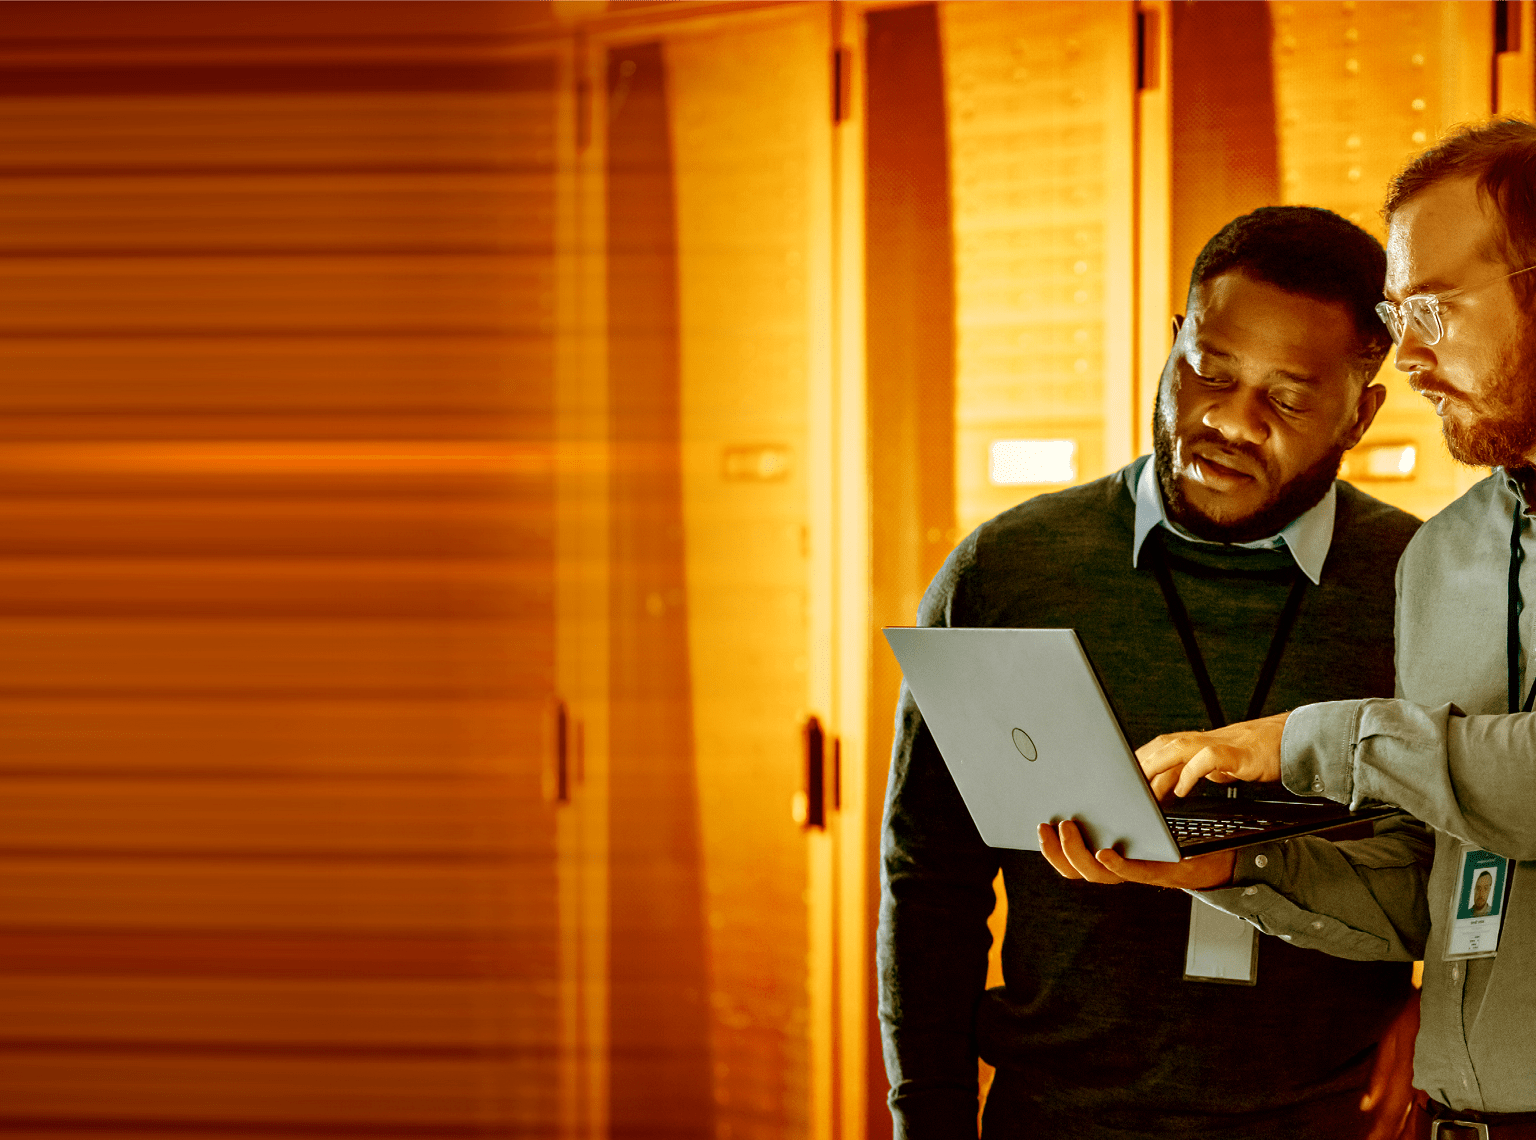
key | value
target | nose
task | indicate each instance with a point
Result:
(1238, 415)
(1412, 354)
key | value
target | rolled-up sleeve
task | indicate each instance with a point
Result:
(1471, 777)
(1362, 899)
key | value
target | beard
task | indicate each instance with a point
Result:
(1503, 432)
(1294, 499)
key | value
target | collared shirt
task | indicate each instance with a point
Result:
(1307, 537)
(1449, 752)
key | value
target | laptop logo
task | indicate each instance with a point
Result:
(1024, 744)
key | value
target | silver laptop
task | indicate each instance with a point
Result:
(1030, 737)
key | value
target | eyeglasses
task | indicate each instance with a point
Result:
(1421, 312)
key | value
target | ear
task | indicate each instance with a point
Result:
(1178, 323)
(1372, 396)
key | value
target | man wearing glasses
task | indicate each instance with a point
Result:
(1234, 532)
(1458, 750)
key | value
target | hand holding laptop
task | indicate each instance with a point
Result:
(1064, 850)
(1248, 751)
(1176, 762)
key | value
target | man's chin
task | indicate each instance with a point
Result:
(1221, 518)
(1464, 446)
(1257, 510)
(1485, 444)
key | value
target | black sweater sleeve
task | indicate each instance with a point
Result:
(935, 897)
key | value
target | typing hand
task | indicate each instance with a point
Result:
(1064, 850)
(1247, 751)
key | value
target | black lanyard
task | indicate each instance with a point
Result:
(1516, 556)
(1186, 630)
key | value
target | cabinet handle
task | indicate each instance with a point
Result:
(810, 807)
(557, 785)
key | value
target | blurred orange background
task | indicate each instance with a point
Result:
(456, 458)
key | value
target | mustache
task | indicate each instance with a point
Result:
(1217, 445)
(1431, 387)
(1426, 382)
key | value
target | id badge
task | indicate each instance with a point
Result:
(1477, 908)
(1222, 947)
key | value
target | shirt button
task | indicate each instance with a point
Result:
(1317, 783)
(1455, 973)
(1318, 925)
(1251, 890)
(1261, 860)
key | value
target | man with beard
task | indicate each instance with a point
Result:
(1228, 572)
(1482, 891)
(1458, 750)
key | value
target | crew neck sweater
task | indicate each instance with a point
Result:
(1094, 1032)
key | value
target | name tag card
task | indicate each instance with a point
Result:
(1477, 907)
(1222, 948)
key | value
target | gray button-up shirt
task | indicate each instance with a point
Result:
(1450, 753)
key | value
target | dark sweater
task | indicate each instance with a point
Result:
(1094, 1032)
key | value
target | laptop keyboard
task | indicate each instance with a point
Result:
(1198, 828)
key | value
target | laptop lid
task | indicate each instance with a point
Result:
(1030, 737)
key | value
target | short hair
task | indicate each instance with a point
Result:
(1312, 252)
(1501, 155)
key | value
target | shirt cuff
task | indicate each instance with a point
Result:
(1317, 750)
(1256, 873)
(1255, 896)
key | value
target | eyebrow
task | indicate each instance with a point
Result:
(1434, 285)
(1294, 377)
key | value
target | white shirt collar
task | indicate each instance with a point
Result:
(1307, 537)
